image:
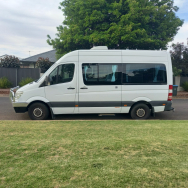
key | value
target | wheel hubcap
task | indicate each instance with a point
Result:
(37, 112)
(140, 112)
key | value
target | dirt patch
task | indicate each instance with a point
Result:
(181, 95)
(4, 92)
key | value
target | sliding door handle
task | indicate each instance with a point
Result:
(83, 88)
(71, 88)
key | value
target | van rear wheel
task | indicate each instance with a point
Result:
(140, 111)
(38, 111)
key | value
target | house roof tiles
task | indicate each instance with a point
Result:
(50, 54)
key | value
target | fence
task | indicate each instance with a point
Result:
(183, 79)
(15, 75)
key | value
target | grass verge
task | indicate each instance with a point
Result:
(93, 154)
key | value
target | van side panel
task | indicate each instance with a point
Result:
(142, 92)
(63, 97)
(99, 98)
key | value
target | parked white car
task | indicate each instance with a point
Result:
(100, 81)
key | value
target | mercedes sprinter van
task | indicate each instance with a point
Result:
(100, 81)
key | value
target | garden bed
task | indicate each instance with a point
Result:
(181, 94)
(4, 91)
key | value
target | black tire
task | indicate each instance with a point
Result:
(38, 111)
(140, 111)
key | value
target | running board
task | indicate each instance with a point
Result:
(106, 115)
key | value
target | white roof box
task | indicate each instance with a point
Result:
(99, 48)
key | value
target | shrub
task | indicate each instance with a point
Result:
(176, 71)
(185, 86)
(9, 62)
(25, 81)
(44, 64)
(5, 83)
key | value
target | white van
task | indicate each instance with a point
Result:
(100, 81)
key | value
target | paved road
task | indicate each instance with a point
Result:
(180, 105)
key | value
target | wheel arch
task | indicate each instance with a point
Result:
(141, 102)
(39, 101)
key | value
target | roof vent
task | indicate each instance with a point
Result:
(100, 48)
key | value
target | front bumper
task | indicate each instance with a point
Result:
(19, 107)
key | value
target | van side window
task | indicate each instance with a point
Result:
(62, 74)
(65, 73)
(144, 74)
(102, 74)
(110, 74)
(90, 73)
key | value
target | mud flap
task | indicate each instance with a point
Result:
(153, 112)
(52, 114)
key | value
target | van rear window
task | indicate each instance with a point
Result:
(144, 74)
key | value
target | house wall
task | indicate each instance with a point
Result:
(31, 65)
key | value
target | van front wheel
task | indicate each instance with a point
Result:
(140, 111)
(38, 111)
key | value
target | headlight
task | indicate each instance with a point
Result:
(18, 94)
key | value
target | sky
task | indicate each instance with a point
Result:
(25, 24)
(182, 13)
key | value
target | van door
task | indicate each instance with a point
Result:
(100, 87)
(61, 89)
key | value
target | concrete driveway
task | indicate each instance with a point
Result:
(180, 105)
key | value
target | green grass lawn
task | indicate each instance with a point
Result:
(93, 154)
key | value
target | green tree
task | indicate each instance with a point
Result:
(179, 56)
(176, 72)
(9, 62)
(118, 24)
(44, 64)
